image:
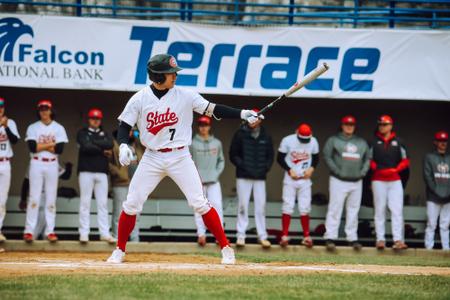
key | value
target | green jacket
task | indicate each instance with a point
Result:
(347, 158)
(208, 157)
(437, 177)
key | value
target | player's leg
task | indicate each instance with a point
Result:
(200, 225)
(304, 195)
(101, 197)
(244, 189)
(86, 181)
(260, 197)
(395, 204)
(433, 210)
(444, 225)
(338, 194)
(51, 190)
(352, 206)
(36, 176)
(214, 195)
(289, 194)
(184, 173)
(379, 189)
(5, 182)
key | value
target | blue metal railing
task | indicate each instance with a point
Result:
(363, 13)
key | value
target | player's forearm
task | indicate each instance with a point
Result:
(123, 133)
(226, 112)
(44, 146)
(281, 159)
(11, 136)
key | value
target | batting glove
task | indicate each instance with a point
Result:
(250, 116)
(125, 155)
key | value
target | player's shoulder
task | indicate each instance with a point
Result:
(185, 92)
(141, 94)
(289, 138)
(34, 125)
(314, 140)
(57, 125)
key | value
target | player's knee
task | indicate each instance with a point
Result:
(131, 208)
(203, 208)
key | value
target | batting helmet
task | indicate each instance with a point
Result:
(304, 131)
(385, 119)
(161, 64)
(441, 136)
(204, 120)
(348, 120)
(44, 103)
(95, 113)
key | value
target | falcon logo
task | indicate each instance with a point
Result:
(297, 157)
(11, 29)
(157, 121)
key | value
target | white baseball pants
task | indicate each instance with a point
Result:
(5, 182)
(43, 178)
(244, 189)
(153, 167)
(342, 193)
(297, 190)
(119, 195)
(98, 184)
(388, 194)
(213, 193)
(435, 211)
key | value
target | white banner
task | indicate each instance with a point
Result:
(106, 54)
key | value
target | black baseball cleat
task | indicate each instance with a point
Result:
(355, 245)
(330, 245)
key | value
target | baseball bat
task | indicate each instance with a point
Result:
(298, 85)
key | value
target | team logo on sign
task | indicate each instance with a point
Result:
(157, 121)
(11, 29)
(297, 157)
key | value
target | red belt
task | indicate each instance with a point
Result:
(4, 158)
(164, 150)
(44, 159)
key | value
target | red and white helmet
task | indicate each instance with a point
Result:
(95, 113)
(304, 131)
(44, 103)
(349, 119)
(385, 119)
(441, 136)
(204, 120)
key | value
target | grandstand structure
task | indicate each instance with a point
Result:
(433, 14)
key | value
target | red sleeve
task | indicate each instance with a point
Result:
(403, 164)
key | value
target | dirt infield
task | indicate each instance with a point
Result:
(25, 263)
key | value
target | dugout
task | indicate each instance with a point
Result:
(415, 122)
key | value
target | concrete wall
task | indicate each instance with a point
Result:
(416, 122)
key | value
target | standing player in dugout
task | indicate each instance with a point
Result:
(163, 114)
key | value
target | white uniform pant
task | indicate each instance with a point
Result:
(213, 193)
(153, 167)
(435, 211)
(244, 189)
(298, 190)
(97, 183)
(388, 194)
(43, 178)
(119, 196)
(5, 182)
(342, 193)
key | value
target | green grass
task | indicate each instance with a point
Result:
(175, 286)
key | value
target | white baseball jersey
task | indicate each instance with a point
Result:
(51, 133)
(298, 155)
(5, 145)
(166, 122)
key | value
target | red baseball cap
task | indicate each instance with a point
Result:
(385, 119)
(349, 119)
(2, 101)
(47, 103)
(95, 113)
(304, 131)
(204, 120)
(441, 136)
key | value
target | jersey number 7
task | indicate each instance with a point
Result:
(172, 133)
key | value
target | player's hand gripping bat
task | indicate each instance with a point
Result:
(298, 85)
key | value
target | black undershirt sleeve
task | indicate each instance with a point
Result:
(315, 160)
(32, 146)
(226, 112)
(59, 148)
(281, 161)
(123, 133)
(11, 136)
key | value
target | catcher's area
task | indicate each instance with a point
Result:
(33, 263)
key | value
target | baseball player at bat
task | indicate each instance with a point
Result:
(8, 137)
(46, 139)
(347, 157)
(163, 114)
(298, 155)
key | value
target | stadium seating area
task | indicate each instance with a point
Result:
(433, 14)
